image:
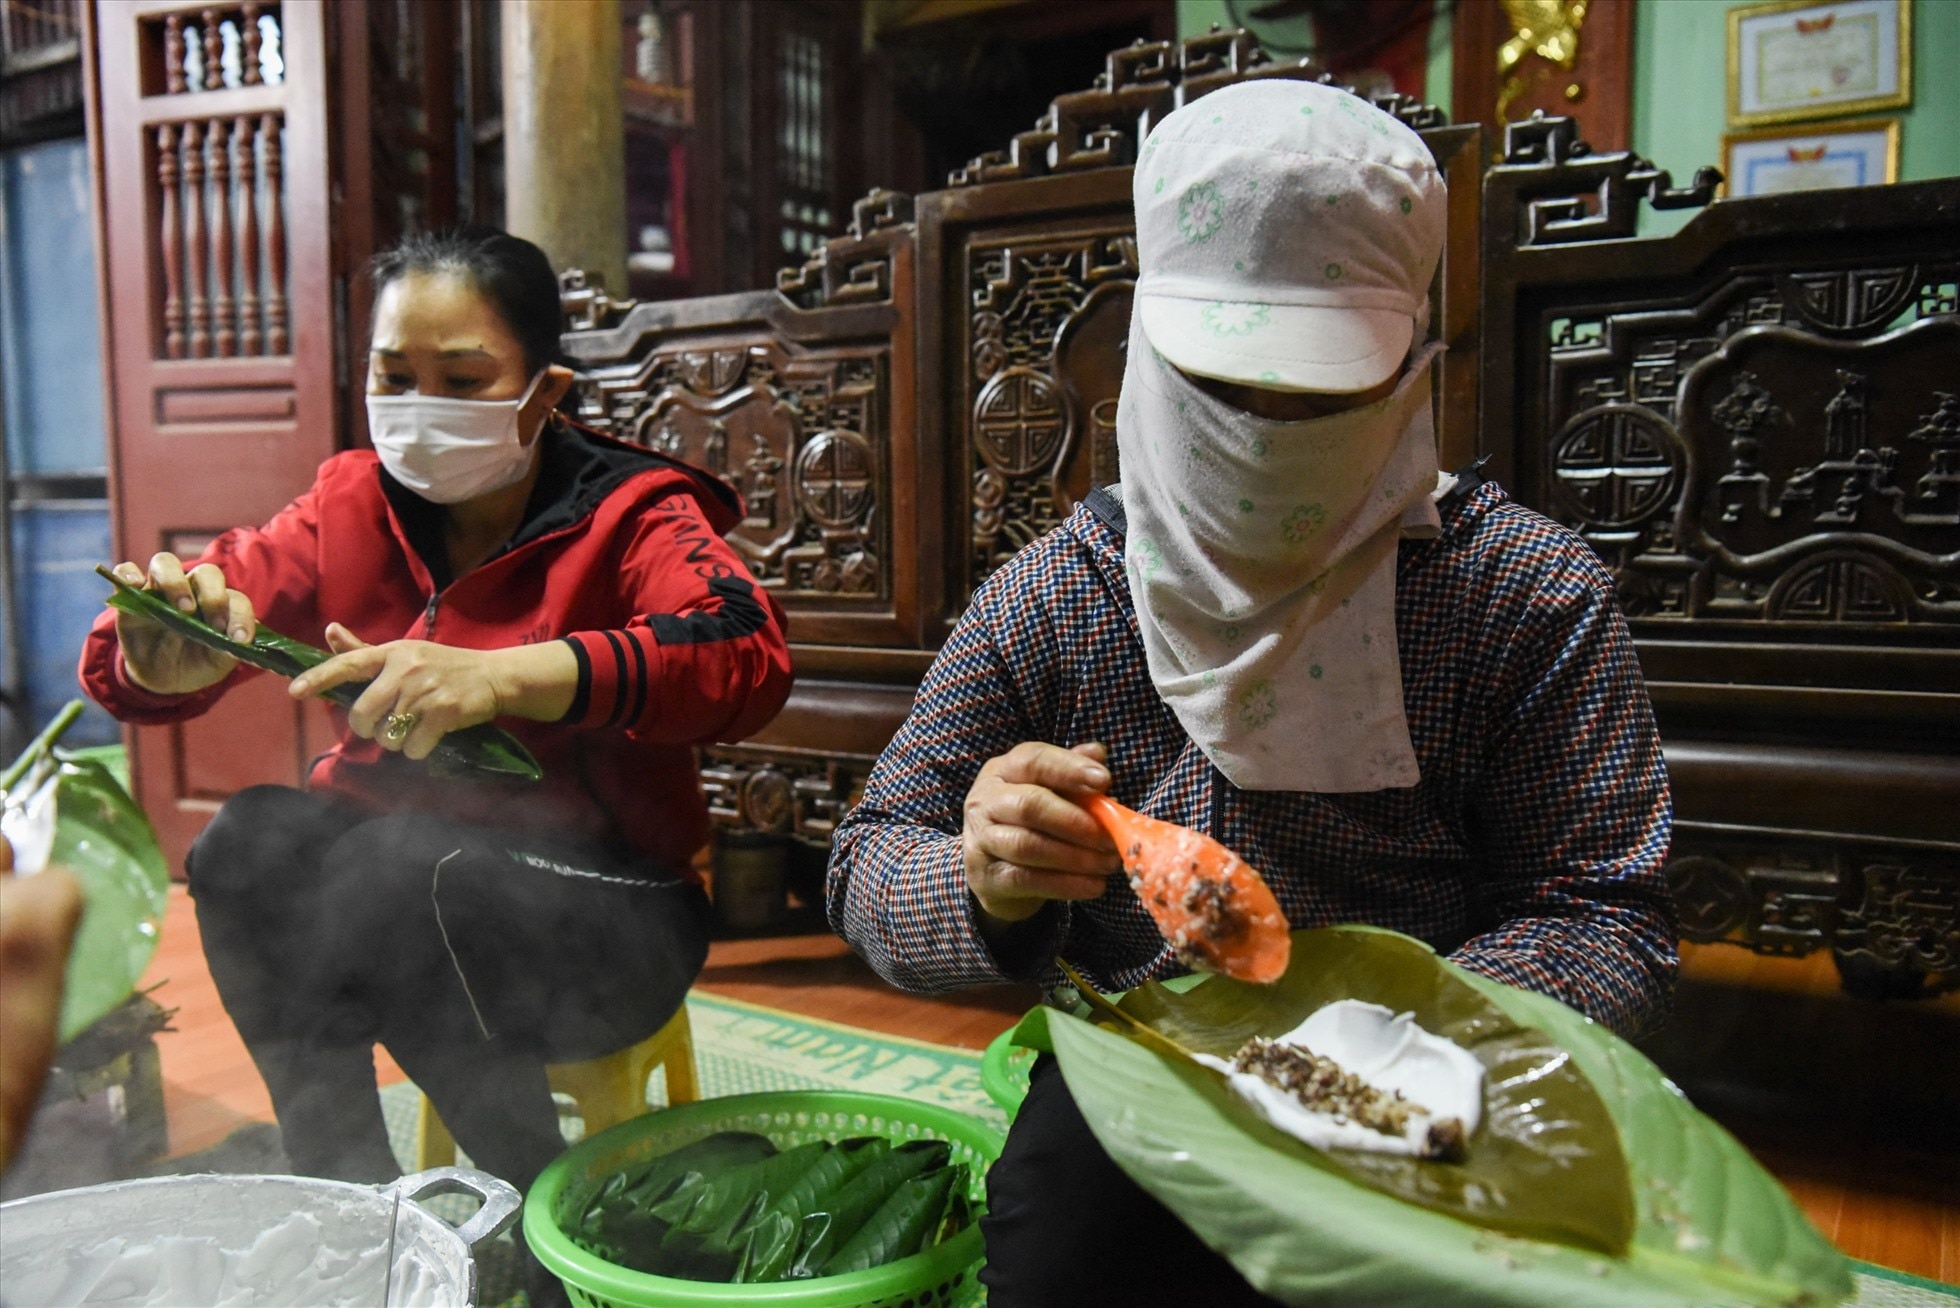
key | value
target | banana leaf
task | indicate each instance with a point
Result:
(1708, 1225)
(863, 1196)
(625, 1192)
(904, 1224)
(710, 1242)
(484, 751)
(102, 838)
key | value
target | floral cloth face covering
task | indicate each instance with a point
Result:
(1261, 557)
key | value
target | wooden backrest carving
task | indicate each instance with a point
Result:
(1754, 422)
(937, 387)
(1100, 128)
(794, 397)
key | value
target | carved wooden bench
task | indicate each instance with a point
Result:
(1755, 424)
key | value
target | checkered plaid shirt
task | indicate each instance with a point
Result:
(1530, 851)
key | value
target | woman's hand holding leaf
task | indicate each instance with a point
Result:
(159, 659)
(440, 688)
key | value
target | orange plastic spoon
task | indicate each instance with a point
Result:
(1217, 912)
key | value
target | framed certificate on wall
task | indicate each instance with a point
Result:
(1863, 153)
(1799, 59)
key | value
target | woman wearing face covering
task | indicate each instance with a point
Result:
(488, 560)
(1404, 698)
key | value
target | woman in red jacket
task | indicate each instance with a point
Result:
(488, 560)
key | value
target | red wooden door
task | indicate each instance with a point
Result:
(209, 124)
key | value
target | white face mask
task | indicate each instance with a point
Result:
(449, 450)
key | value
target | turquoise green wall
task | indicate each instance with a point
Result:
(1440, 63)
(1680, 92)
(1195, 17)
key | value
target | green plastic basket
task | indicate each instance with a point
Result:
(944, 1276)
(1004, 1072)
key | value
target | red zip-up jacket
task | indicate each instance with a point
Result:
(620, 555)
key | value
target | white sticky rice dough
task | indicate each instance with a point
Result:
(1390, 1052)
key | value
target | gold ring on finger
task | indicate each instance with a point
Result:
(395, 730)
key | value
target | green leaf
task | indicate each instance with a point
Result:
(903, 1224)
(864, 1195)
(710, 1242)
(731, 1209)
(1546, 1161)
(1708, 1225)
(771, 1244)
(816, 1188)
(623, 1196)
(105, 841)
(484, 751)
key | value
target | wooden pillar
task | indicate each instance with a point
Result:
(564, 152)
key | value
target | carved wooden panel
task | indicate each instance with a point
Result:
(804, 439)
(1768, 441)
(793, 397)
(1731, 466)
(1044, 348)
(1756, 425)
(1892, 905)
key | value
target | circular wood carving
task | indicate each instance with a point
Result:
(768, 801)
(1616, 465)
(834, 480)
(1019, 421)
(1711, 897)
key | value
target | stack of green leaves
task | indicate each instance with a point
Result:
(484, 751)
(733, 1208)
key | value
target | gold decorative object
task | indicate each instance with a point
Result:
(1546, 28)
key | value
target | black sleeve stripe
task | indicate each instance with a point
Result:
(640, 678)
(740, 615)
(582, 697)
(618, 644)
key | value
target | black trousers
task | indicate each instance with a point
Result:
(1067, 1228)
(475, 956)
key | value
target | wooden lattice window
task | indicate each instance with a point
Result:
(805, 163)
